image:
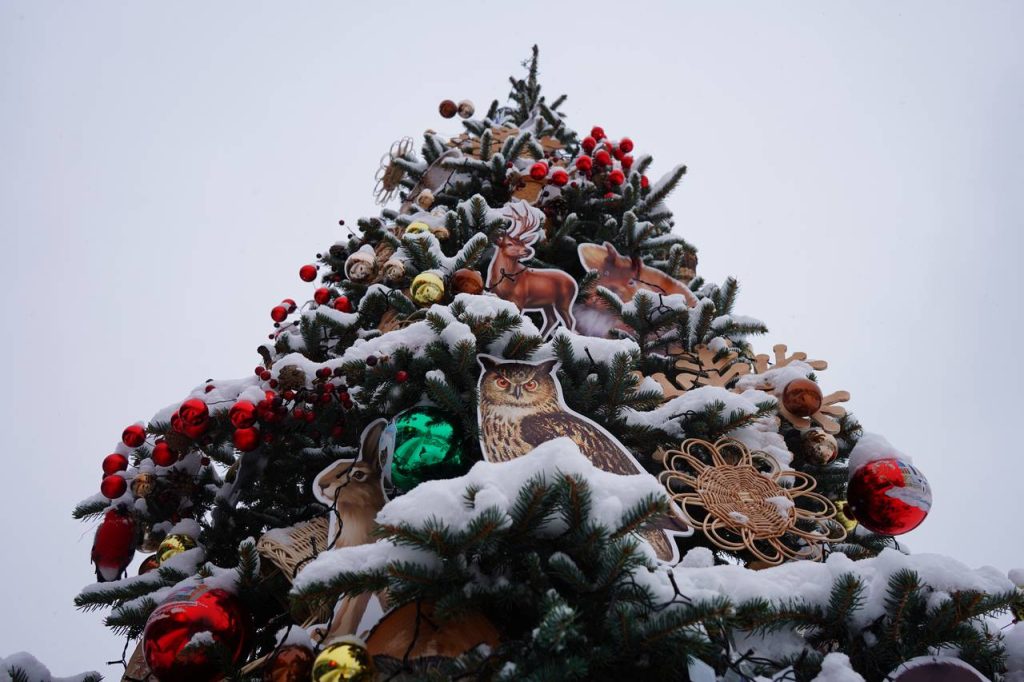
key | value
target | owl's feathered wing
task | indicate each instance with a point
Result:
(602, 450)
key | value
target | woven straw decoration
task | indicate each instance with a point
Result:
(739, 504)
(291, 548)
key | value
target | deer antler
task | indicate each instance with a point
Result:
(524, 225)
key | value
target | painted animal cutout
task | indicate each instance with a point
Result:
(547, 291)
(623, 276)
(351, 488)
(521, 406)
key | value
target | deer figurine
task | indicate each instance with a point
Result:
(351, 488)
(547, 291)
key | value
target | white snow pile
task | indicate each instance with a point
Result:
(836, 668)
(872, 447)
(36, 671)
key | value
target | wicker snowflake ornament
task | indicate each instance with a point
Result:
(736, 498)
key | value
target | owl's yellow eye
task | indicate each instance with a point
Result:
(530, 385)
(502, 382)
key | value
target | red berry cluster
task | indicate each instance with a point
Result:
(606, 162)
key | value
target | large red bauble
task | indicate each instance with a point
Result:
(242, 414)
(246, 439)
(172, 625)
(133, 436)
(163, 455)
(802, 397)
(113, 463)
(114, 545)
(889, 496)
(194, 412)
(307, 273)
(113, 486)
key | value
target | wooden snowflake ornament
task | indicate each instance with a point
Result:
(767, 378)
(736, 499)
(701, 368)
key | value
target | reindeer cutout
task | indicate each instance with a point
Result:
(351, 488)
(546, 291)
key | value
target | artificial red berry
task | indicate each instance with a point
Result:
(278, 313)
(588, 144)
(162, 454)
(626, 145)
(307, 273)
(323, 372)
(265, 375)
(602, 157)
(322, 295)
(644, 182)
(113, 486)
(242, 414)
(401, 376)
(597, 132)
(609, 195)
(559, 177)
(616, 177)
(246, 439)
(342, 304)
(584, 163)
(113, 463)
(133, 436)
(627, 162)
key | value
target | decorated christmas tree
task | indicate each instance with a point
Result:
(509, 433)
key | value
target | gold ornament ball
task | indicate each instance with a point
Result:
(447, 108)
(466, 109)
(819, 447)
(425, 199)
(143, 484)
(173, 545)
(417, 228)
(802, 397)
(346, 660)
(427, 288)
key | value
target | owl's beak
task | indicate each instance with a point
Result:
(517, 391)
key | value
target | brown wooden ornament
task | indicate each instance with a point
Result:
(414, 631)
(735, 498)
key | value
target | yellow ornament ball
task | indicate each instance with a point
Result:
(173, 545)
(346, 660)
(417, 228)
(427, 288)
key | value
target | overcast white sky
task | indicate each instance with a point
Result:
(165, 168)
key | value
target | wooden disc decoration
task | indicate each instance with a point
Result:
(413, 631)
(734, 497)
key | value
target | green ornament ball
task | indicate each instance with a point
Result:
(422, 444)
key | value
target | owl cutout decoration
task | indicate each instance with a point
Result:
(547, 291)
(521, 406)
(623, 276)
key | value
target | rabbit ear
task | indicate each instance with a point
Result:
(369, 444)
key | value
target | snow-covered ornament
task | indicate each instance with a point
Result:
(735, 498)
(361, 266)
(389, 176)
(114, 545)
(174, 544)
(889, 496)
(427, 288)
(702, 367)
(935, 669)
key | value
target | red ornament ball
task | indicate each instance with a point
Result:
(113, 546)
(802, 397)
(626, 145)
(889, 496)
(322, 295)
(133, 436)
(343, 304)
(278, 313)
(447, 108)
(588, 144)
(597, 132)
(173, 625)
(113, 486)
(113, 463)
(616, 177)
(246, 439)
(602, 157)
(307, 273)
(627, 162)
(194, 411)
(163, 455)
(242, 414)
(559, 177)
(539, 170)
(584, 163)
(644, 182)
(401, 376)
(289, 303)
